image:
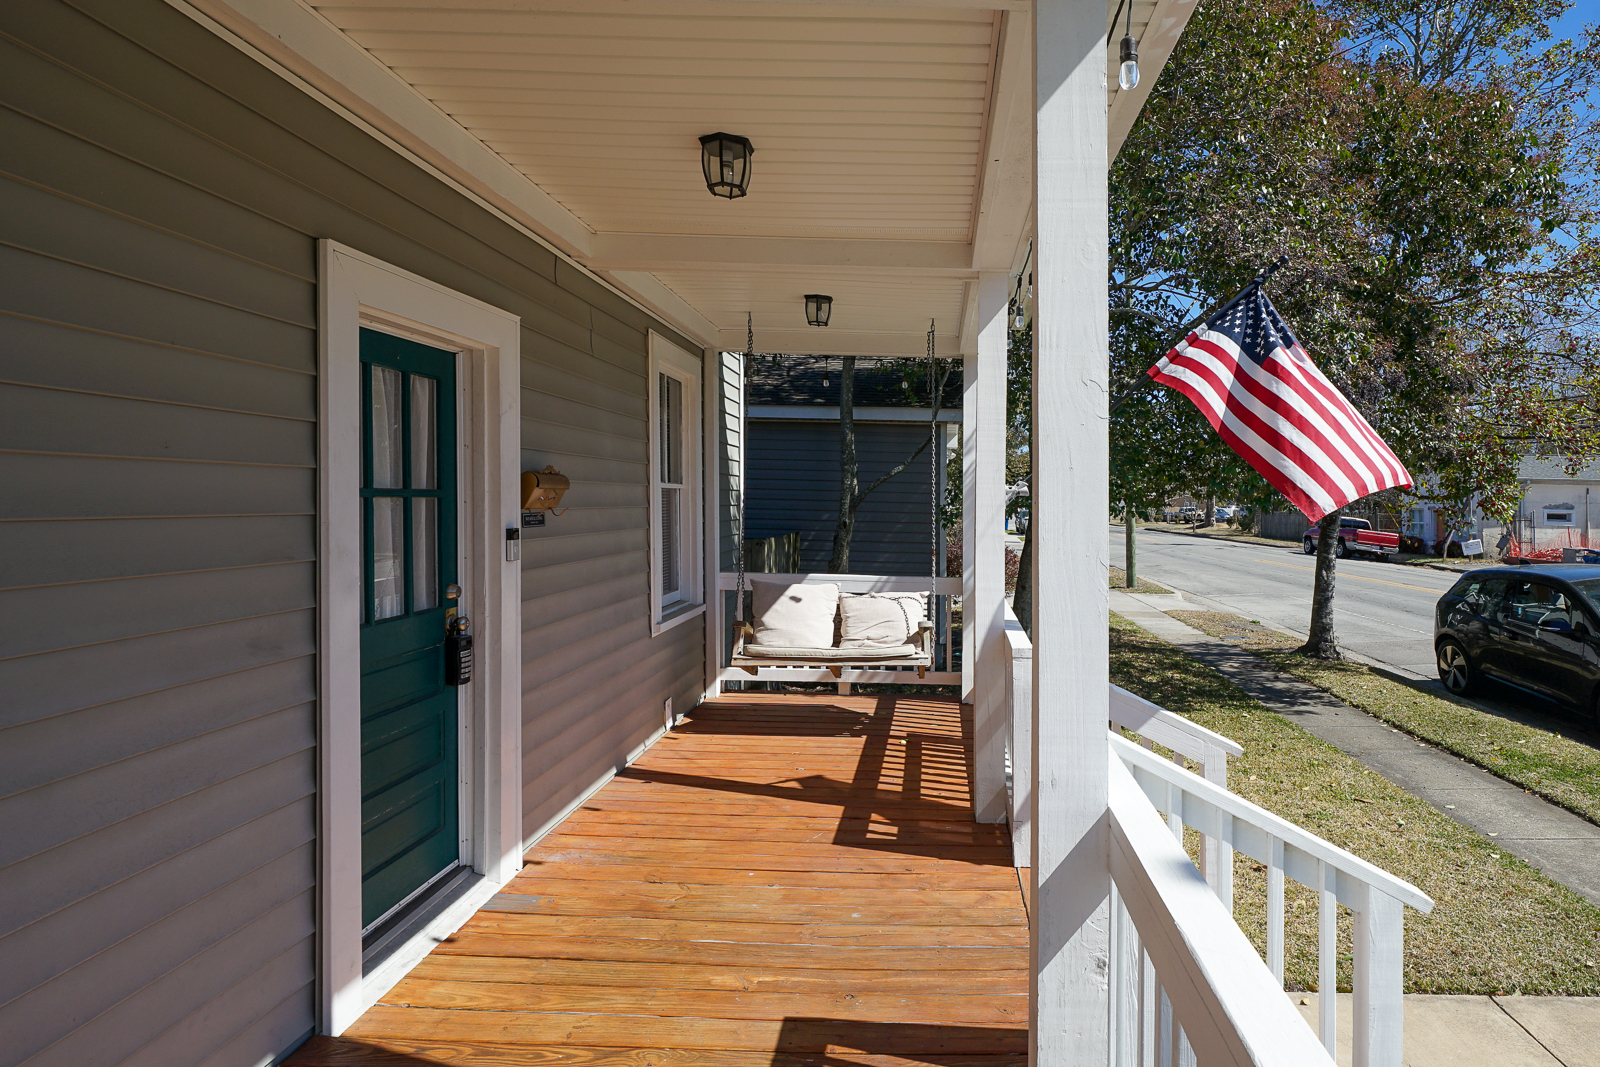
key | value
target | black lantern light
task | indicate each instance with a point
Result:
(818, 309)
(725, 158)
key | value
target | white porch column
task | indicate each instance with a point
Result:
(1071, 872)
(983, 417)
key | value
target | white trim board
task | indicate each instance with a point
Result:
(355, 290)
(667, 358)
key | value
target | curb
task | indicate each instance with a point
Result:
(1268, 541)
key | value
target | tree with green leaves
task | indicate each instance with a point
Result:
(1420, 163)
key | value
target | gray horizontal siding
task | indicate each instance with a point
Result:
(160, 201)
(794, 486)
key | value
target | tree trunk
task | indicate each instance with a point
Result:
(1320, 644)
(1129, 551)
(851, 495)
(849, 469)
(1208, 512)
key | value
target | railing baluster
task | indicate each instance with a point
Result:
(1165, 1032)
(1275, 909)
(1379, 951)
(1184, 1054)
(1222, 857)
(1149, 1000)
(1327, 958)
(1175, 810)
(1124, 978)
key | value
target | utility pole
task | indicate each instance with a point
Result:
(1129, 550)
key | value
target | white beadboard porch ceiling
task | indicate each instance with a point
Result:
(892, 140)
(866, 122)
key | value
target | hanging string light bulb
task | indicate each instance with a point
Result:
(1128, 73)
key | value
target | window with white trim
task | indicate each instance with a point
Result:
(1559, 515)
(675, 506)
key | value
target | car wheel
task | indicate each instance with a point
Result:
(1455, 669)
(1309, 546)
(1342, 551)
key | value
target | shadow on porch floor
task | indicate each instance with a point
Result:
(787, 881)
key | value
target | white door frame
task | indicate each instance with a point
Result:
(355, 290)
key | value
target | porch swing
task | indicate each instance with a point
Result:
(816, 624)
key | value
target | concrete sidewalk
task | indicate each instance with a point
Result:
(1484, 1031)
(1562, 845)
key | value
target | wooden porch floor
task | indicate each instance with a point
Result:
(795, 882)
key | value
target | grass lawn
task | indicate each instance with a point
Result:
(1498, 925)
(1558, 768)
(1119, 580)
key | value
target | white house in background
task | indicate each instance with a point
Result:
(1557, 510)
(295, 294)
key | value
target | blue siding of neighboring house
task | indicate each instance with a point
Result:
(794, 485)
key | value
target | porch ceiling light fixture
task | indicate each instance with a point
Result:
(1128, 73)
(818, 309)
(725, 158)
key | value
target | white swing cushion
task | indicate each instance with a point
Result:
(832, 655)
(879, 620)
(794, 616)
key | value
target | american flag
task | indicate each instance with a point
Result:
(1246, 372)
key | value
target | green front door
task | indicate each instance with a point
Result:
(409, 749)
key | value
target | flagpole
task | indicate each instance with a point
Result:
(1145, 381)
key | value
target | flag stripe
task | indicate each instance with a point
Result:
(1302, 450)
(1298, 362)
(1288, 478)
(1299, 415)
(1265, 397)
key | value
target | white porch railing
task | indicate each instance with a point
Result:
(1187, 986)
(946, 668)
(1376, 897)
(1155, 724)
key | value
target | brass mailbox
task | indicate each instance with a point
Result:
(543, 490)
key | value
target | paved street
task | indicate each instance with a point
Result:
(1381, 611)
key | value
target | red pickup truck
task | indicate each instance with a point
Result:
(1356, 535)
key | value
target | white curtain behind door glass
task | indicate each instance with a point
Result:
(424, 553)
(424, 434)
(388, 550)
(386, 455)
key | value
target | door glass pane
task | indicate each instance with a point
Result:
(424, 553)
(424, 433)
(386, 456)
(669, 544)
(388, 556)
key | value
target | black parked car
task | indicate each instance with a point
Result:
(1536, 628)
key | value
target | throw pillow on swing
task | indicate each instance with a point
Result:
(794, 616)
(877, 620)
